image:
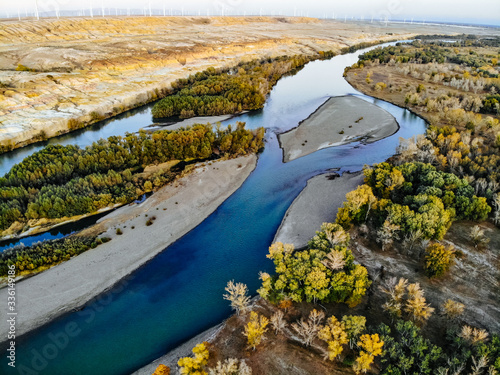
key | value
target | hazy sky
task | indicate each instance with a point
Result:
(477, 11)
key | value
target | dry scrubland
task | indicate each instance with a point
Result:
(62, 74)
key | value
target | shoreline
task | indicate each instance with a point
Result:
(183, 350)
(362, 89)
(42, 228)
(179, 207)
(316, 204)
(355, 120)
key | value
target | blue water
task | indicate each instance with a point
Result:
(179, 293)
(54, 233)
(130, 121)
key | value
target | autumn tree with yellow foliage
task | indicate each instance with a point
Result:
(372, 347)
(335, 335)
(194, 365)
(438, 259)
(255, 329)
(407, 298)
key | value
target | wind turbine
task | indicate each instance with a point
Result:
(36, 10)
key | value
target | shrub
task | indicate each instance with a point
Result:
(438, 259)
(379, 86)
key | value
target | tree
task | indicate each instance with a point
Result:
(255, 329)
(496, 204)
(478, 238)
(372, 347)
(334, 260)
(237, 295)
(473, 335)
(335, 234)
(308, 329)
(354, 325)
(386, 234)
(231, 366)
(278, 322)
(162, 370)
(407, 352)
(416, 307)
(356, 207)
(438, 259)
(335, 335)
(148, 186)
(408, 298)
(194, 366)
(452, 309)
(304, 275)
(380, 86)
(396, 291)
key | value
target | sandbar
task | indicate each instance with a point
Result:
(340, 120)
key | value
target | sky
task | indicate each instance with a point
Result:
(477, 11)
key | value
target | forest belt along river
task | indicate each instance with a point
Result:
(179, 293)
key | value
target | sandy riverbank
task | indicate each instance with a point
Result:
(318, 203)
(178, 207)
(191, 121)
(338, 121)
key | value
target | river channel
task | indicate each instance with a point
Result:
(179, 293)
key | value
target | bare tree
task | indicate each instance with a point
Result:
(334, 260)
(478, 238)
(229, 367)
(387, 234)
(278, 322)
(237, 295)
(496, 206)
(307, 330)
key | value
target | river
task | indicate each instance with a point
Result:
(179, 293)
